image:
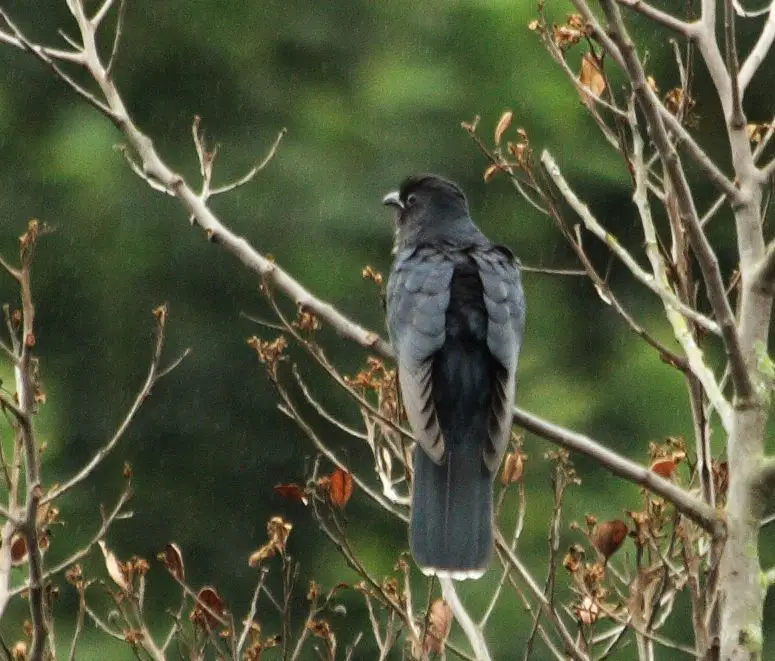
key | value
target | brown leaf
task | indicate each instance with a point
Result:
(172, 557)
(18, 549)
(503, 124)
(591, 77)
(513, 468)
(115, 570)
(209, 604)
(340, 487)
(608, 537)
(490, 172)
(292, 492)
(439, 626)
(664, 467)
(278, 530)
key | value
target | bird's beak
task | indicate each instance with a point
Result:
(393, 199)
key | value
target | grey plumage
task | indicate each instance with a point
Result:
(455, 312)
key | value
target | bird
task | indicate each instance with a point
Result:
(455, 312)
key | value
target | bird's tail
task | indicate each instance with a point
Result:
(451, 528)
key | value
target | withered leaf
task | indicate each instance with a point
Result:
(439, 626)
(503, 124)
(18, 549)
(490, 172)
(340, 487)
(513, 468)
(608, 537)
(209, 609)
(115, 570)
(172, 557)
(664, 467)
(591, 77)
(292, 492)
(278, 530)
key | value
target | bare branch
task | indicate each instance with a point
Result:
(591, 223)
(116, 37)
(688, 30)
(688, 213)
(45, 56)
(102, 12)
(255, 169)
(54, 53)
(737, 119)
(154, 374)
(759, 51)
(697, 153)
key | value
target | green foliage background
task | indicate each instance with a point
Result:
(369, 93)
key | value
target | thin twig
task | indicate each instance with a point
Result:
(591, 223)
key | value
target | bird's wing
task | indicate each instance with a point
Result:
(417, 300)
(505, 304)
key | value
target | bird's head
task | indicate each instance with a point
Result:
(429, 207)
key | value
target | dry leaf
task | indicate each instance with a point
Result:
(513, 468)
(292, 492)
(278, 530)
(209, 604)
(340, 487)
(591, 77)
(664, 467)
(115, 570)
(439, 626)
(609, 536)
(503, 124)
(490, 172)
(172, 557)
(18, 549)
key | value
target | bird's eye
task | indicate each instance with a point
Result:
(411, 199)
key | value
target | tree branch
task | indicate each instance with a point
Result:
(155, 372)
(763, 275)
(472, 632)
(758, 52)
(683, 28)
(591, 223)
(737, 119)
(706, 257)
(687, 504)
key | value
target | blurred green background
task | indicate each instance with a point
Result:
(369, 93)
